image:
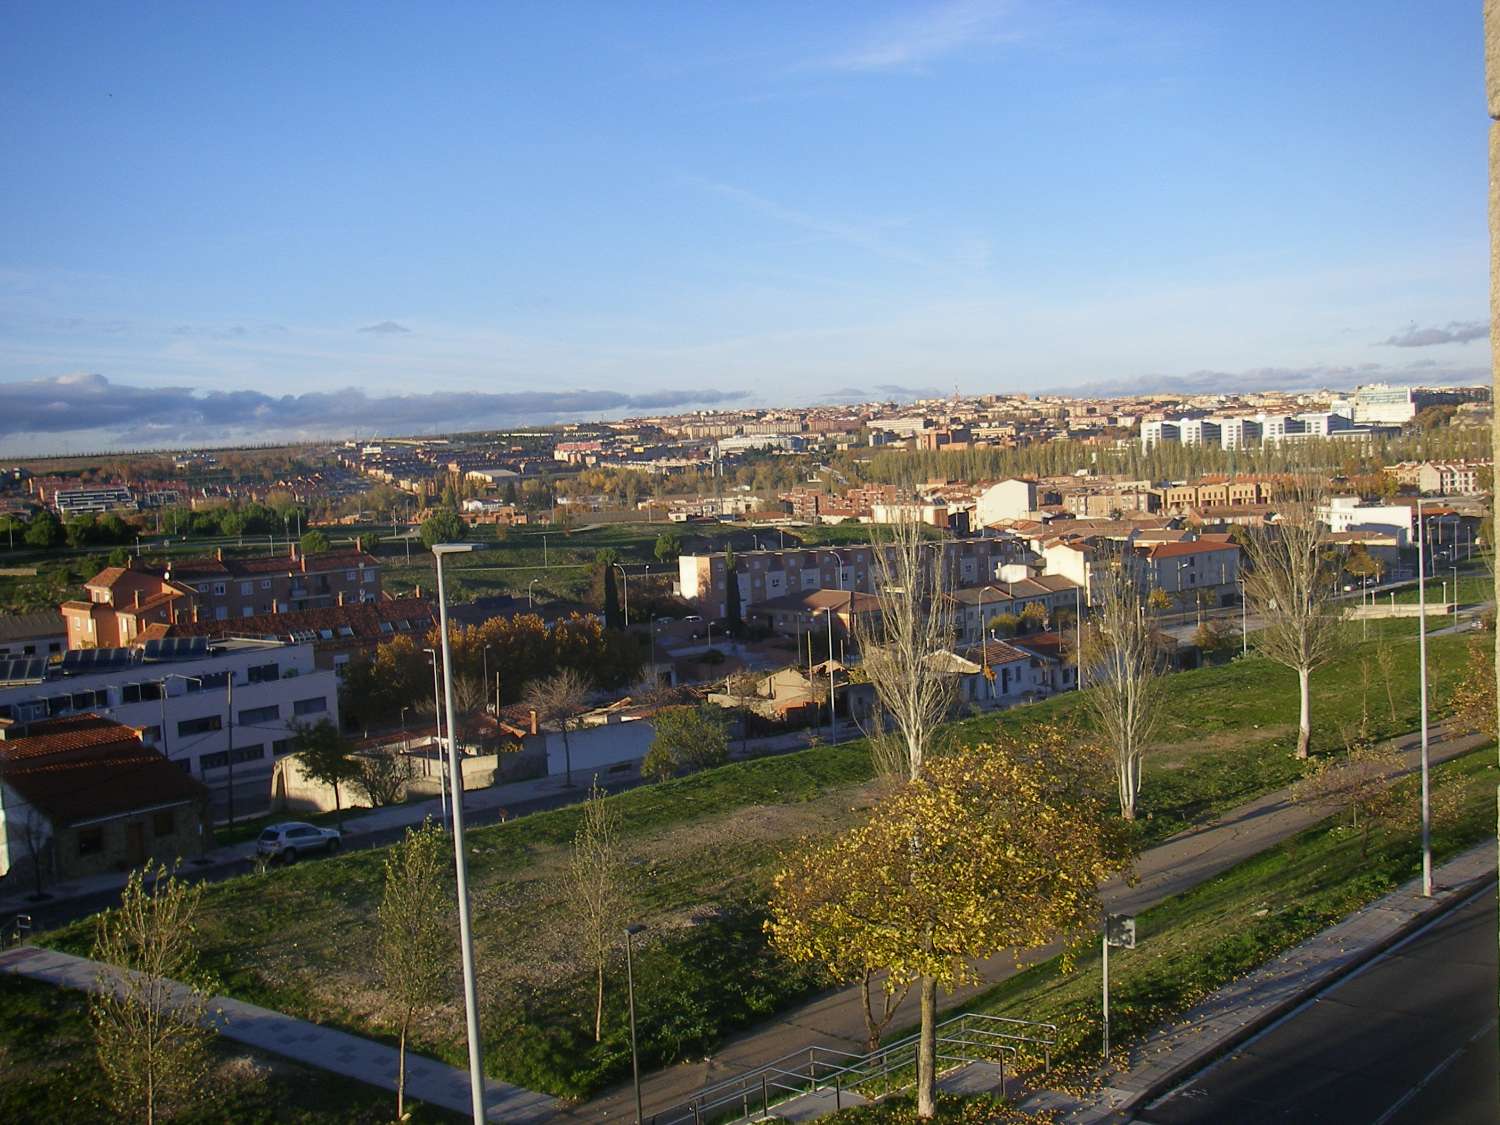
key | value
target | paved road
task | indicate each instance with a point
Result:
(1410, 1039)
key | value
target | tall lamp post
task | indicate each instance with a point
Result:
(530, 597)
(437, 718)
(635, 1060)
(1422, 672)
(465, 934)
(833, 718)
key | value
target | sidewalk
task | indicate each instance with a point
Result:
(1238, 1011)
(836, 1019)
(427, 1080)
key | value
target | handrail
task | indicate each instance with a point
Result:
(966, 1038)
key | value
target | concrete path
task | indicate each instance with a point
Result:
(836, 1019)
(1238, 1011)
(364, 1060)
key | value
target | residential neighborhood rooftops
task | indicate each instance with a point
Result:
(86, 767)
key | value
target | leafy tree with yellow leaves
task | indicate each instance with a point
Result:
(1000, 847)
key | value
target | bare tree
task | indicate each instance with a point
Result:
(150, 1019)
(744, 689)
(558, 699)
(1122, 669)
(382, 776)
(413, 952)
(597, 888)
(36, 834)
(915, 625)
(1290, 586)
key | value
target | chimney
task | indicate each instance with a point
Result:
(137, 597)
(341, 597)
(359, 543)
(294, 552)
(303, 564)
(533, 720)
(195, 613)
(218, 554)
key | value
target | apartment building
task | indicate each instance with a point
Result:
(124, 600)
(43, 633)
(188, 697)
(1349, 513)
(765, 575)
(1182, 569)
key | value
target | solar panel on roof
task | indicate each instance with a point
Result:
(23, 670)
(95, 659)
(176, 648)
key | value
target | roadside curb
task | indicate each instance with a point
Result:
(1445, 900)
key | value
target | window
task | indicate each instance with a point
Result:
(29, 650)
(254, 715)
(282, 746)
(326, 634)
(219, 589)
(214, 680)
(90, 841)
(139, 693)
(153, 735)
(164, 823)
(370, 576)
(345, 631)
(213, 761)
(348, 576)
(247, 611)
(263, 673)
(386, 627)
(221, 613)
(249, 753)
(200, 726)
(247, 588)
(314, 706)
(265, 583)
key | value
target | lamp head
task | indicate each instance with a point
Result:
(451, 548)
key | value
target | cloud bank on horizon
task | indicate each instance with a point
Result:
(134, 415)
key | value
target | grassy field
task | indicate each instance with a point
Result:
(47, 1063)
(702, 849)
(1202, 939)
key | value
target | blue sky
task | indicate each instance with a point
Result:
(697, 202)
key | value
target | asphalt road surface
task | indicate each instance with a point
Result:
(1408, 1040)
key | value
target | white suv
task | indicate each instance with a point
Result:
(288, 841)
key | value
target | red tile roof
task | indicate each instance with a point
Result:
(363, 618)
(86, 767)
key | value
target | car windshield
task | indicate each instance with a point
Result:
(268, 835)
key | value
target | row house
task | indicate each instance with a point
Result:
(124, 600)
(1184, 569)
(764, 575)
(1442, 478)
(974, 608)
(848, 612)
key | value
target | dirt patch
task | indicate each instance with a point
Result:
(1175, 755)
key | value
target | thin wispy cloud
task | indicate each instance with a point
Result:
(1311, 377)
(1454, 332)
(866, 237)
(912, 41)
(386, 328)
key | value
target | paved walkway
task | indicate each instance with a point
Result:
(310, 1044)
(836, 1019)
(1236, 1012)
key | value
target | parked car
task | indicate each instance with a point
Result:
(293, 838)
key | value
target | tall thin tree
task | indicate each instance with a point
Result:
(597, 889)
(413, 953)
(1121, 668)
(559, 699)
(914, 625)
(150, 1021)
(1290, 586)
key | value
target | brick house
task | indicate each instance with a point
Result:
(124, 600)
(90, 796)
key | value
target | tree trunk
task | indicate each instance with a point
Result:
(401, 1070)
(927, 1050)
(567, 758)
(1304, 722)
(599, 1005)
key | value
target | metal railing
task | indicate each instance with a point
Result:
(964, 1039)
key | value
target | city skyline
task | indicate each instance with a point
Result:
(528, 215)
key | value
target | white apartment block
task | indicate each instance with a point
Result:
(1347, 513)
(178, 691)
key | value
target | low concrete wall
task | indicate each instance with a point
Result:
(1377, 612)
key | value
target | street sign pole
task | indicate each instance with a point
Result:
(1119, 931)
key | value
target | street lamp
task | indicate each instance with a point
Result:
(437, 713)
(1422, 673)
(465, 934)
(635, 1060)
(530, 597)
(1454, 569)
(833, 719)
